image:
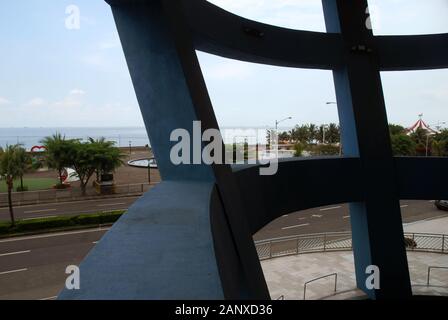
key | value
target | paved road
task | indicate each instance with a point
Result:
(336, 218)
(67, 208)
(34, 267)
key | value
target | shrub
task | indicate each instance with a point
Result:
(23, 226)
(410, 243)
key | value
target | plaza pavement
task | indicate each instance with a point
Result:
(286, 276)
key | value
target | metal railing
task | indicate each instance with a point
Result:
(70, 194)
(319, 278)
(339, 241)
(429, 273)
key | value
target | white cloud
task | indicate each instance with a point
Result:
(4, 101)
(73, 99)
(77, 92)
(35, 102)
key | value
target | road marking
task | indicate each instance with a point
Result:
(49, 298)
(14, 253)
(111, 204)
(317, 216)
(95, 242)
(345, 217)
(296, 226)
(55, 235)
(404, 206)
(41, 217)
(13, 271)
(432, 201)
(303, 218)
(39, 211)
(285, 215)
(331, 208)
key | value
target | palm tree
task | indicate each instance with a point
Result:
(58, 153)
(312, 132)
(333, 133)
(107, 157)
(24, 164)
(10, 169)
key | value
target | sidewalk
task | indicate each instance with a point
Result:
(432, 225)
(286, 276)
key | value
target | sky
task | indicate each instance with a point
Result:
(54, 76)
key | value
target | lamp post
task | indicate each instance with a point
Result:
(276, 127)
(277, 122)
(340, 138)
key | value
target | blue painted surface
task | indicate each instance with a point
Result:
(159, 84)
(161, 249)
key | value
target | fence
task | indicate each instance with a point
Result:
(339, 241)
(70, 194)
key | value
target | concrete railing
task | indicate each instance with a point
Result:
(339, 241)
(70, 194)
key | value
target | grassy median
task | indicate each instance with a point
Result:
(59, 223)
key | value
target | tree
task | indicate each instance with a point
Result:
(396, 129)
(312, 133)
(403, 145)
(419, 136)
(83, 159)
(333, 133)
(300, 134)
(439, 145)
(284, 136)
(298, 149)
(107, 157)
(10, 169)
(58, 153)
(24, 164)
(439, 148)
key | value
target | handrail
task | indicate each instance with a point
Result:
(315, 279)
(302, 235)
(339, 241)
(429, 272)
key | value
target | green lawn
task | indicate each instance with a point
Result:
(32, 184)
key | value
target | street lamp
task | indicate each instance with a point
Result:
(277, 122)
(276, 127)
(340, 138)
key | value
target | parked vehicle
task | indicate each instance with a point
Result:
(441, 204)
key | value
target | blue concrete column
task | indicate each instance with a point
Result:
(187, 238)
(376, 223)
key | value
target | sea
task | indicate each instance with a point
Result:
(30, 137)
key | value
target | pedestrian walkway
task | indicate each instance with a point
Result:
(286, 276)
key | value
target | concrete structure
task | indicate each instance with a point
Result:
(190, 237)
